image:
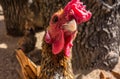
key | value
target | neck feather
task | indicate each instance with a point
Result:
(55, 66)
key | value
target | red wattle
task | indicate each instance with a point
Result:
(68, 44)
(67, 52)
(58, 43)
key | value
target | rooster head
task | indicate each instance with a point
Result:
(63, 26)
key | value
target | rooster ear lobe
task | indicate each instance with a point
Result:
(48, 38)
(58, 44)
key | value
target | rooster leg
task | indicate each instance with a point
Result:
(29, 69)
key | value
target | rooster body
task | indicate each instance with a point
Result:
(54, 66)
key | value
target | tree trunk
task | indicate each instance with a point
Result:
(97, 42)
(15, 12)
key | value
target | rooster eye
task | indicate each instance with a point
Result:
(55, 19)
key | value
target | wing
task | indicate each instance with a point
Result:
(29, 69)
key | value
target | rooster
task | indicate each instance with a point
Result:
(57, 42)
(28, 41)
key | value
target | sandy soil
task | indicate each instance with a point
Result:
(8, 62)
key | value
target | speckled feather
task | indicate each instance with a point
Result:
(54, 66)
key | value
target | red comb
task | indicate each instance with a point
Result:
(75, 9)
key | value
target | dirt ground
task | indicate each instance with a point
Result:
(9, 66)
(8, 62)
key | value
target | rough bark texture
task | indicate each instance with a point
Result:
(97, 43)
(15, 13)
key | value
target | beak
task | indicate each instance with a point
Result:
(70, 26)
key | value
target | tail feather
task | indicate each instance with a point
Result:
(29, 69)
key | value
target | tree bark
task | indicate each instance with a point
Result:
(15, 14)
(97, 43)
